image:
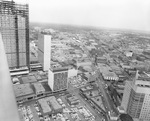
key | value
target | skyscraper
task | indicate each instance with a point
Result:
(44, 50)
(14, 26)
(136, 97)
(58, 79)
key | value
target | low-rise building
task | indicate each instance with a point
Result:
(84, 63)
(54, 104)
(39, 89)
(44, 106)
(28, 79)
(73, 100)
(23, 92)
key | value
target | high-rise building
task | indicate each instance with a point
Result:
(136, 97)
(8, 106)
(14, 26)
(44, 50)
(58, 78)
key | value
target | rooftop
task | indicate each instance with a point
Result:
(143, 76)
(23, 89)
(58, 69)
(73, 98)
(28, 79)
(54, 102)
(44, 105)
(38, 87)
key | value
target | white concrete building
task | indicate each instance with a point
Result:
(44, 50)
(58, 79)
(136, 98)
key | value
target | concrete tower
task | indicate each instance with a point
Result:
(136, 97)
(44, 50)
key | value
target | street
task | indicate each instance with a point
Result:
(109, 103)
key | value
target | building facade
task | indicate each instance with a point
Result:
(14, 26)
(58, 79)
(44, 50)
(136, 99)
(8, 106)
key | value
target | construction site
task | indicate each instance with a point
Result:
(14, 26)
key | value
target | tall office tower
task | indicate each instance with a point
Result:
(14, 25)
(58, 78)
(8, 106)
(44, 50)
(136, 97)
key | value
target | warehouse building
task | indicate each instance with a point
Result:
(46, 110)
(54, 104)
(24, 92)
(49, 105)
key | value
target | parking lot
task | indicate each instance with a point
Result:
(31, 111)
(77, 82)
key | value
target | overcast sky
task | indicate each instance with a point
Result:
(128, 14)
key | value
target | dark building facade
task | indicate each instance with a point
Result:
(14, 26)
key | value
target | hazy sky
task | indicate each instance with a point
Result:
(128, 14)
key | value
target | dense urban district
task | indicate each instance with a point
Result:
(75, 73)
(105, 62)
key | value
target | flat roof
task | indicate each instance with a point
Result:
(73, 98)
(23, 89)
(44, 105)
(54, 102)
(28, 79)
(109, 74)
(38, 87)
(59, 69)
(87, 88)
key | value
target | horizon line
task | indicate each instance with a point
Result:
(95, 27)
